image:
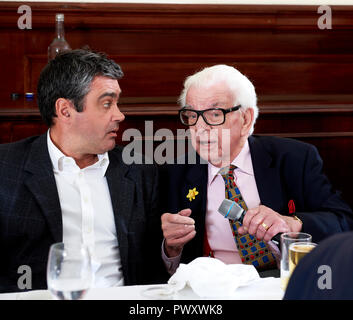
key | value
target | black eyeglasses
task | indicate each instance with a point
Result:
(212, 116)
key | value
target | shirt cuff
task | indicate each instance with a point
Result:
(172, 263)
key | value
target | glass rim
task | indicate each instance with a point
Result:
(303, 243)
(57, 246)
(290, 235)
(62, 246)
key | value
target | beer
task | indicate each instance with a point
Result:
(297, 251)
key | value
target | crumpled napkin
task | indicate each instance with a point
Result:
(211, 278)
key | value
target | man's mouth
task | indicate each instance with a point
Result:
(207, 142)
(114, 131)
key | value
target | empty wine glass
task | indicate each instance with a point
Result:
(69, 271)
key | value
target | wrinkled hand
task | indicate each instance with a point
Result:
(264, 223)
(178, 229)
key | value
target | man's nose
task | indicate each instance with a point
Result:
(201, 124)
(118, 115)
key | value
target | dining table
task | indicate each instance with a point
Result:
(268, 288)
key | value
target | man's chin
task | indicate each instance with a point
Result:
(214, 158)
(211, 157)
(112, 146)
(108, 147)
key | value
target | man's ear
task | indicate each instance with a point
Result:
(248, 118)
(63, 108)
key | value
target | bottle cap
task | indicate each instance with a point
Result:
(29, 95)
(59, 17)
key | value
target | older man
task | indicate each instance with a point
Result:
(279, 182)
(71, 184)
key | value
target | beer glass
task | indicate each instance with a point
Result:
(297, 250)
(287, 239)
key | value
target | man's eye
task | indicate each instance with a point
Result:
(107, 104)
(191, 115)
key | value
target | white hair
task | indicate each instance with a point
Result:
(241, 87)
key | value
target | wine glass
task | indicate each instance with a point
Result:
(69, 271)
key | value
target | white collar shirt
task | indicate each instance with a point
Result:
(87, 213)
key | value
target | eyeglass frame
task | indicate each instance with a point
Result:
(201, 112)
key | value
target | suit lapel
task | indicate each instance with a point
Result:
(41, 183)
(266, 175)
(122, 192)
(196, 178)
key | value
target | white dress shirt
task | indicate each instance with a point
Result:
(87, 213)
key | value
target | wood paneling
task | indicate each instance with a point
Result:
(303, 75)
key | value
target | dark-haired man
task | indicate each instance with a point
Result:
(71, 184)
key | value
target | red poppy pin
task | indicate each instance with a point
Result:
(291, 207)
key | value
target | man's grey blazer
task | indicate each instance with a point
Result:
(30, 214)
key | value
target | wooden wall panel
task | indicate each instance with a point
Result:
(279, 47)
(158, 76)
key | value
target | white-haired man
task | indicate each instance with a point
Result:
(279, 182)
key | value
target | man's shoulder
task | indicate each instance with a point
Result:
(128, 157)
(188, 167)
(142, 164)
(279, 144)
(17, 149)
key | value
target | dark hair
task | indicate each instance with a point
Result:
(69, 76)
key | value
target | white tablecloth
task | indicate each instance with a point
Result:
(262, 289)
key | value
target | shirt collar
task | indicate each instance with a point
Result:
(61, 162)
(242, 161)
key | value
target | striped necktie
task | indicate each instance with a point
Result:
(251, 250)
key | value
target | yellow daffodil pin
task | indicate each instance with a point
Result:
(192, 194)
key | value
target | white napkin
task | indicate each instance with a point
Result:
(211, 278)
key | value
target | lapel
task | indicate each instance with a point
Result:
(196, 177)
(40, 181)
(267, 175)
(122, 191)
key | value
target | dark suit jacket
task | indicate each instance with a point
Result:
(284, 170)
(30, 214)
(326, 272)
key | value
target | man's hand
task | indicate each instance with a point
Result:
(178, 229)
(264, 223)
